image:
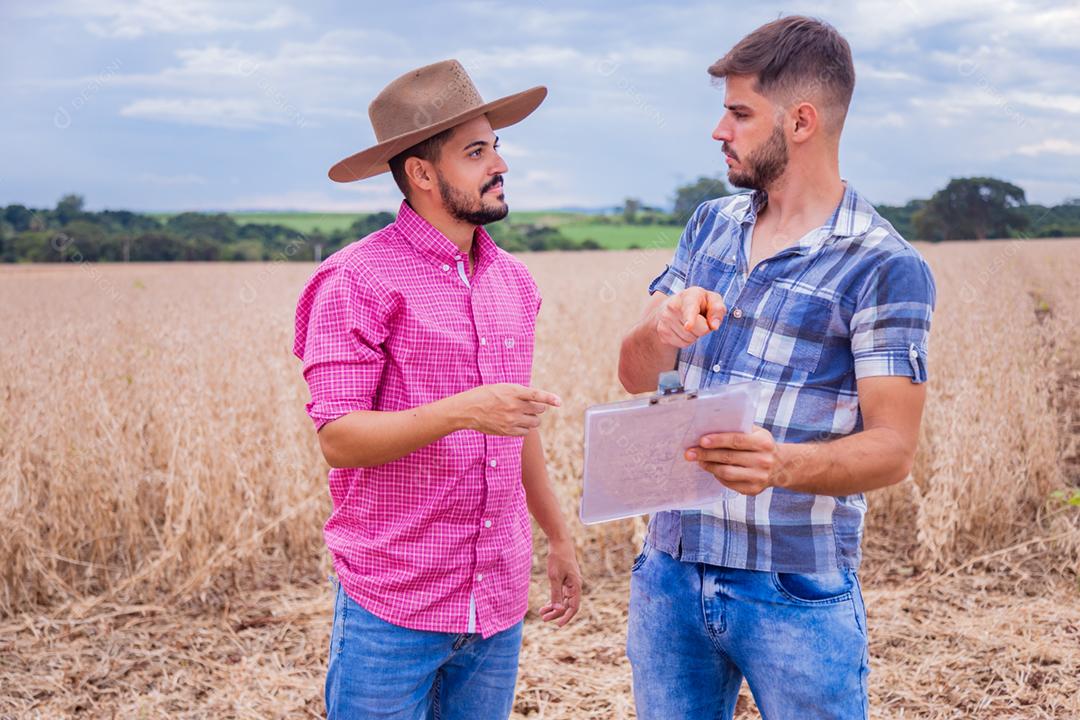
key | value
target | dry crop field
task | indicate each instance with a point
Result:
(162, 495)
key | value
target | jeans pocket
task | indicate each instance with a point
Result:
(640, 559)
(337, 634)
(814, 589)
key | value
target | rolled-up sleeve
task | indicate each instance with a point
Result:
(341, 325)
(890, 327)
(673, 279)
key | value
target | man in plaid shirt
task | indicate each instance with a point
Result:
(803, 288)
(417, 346)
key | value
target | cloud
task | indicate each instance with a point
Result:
(378, 193)
(1056, 146)
(210, 112)
(135, 18)
(186, 179)
(1045, 101)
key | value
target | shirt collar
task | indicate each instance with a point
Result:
(853, 216)
(436, 247)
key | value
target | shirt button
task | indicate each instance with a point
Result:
(487, 523)
(736, 313)
(483, 341)
(716, 367)
(732, 259)
(445, 268)
(479, 577)
(493, 463)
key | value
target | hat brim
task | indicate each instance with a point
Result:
(501, 113)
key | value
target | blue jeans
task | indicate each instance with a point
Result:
(380, 670)
(697, 630)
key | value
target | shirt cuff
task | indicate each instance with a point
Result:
(669, 282)
(903, 362)
(324, 412)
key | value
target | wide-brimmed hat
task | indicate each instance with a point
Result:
(422, 103)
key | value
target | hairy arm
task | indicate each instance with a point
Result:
(878, 456)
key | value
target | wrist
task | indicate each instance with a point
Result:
(560, 540)
(455, 413)
(788, 461)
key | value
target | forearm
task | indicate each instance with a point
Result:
(643, 357)
(543, 505)
(370, 438)
(867, 460)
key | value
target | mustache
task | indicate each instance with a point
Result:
(728, 151)
(497, 180)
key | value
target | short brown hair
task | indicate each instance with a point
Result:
(793, 58)
(429, 150)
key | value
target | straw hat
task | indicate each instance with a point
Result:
(423, 103)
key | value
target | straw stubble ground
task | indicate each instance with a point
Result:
(163, 496)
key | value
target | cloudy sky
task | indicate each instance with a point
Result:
(171, 105)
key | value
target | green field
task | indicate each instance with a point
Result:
(621, 237)
(576, 226)
(300, 221)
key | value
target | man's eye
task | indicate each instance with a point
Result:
(476, 152)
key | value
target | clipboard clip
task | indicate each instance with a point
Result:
(669, 385)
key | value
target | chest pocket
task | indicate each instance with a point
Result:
(712, 273)
(790, 329)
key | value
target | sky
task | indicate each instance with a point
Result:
(167, 105)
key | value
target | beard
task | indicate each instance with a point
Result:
(764, 165)
(473, 209)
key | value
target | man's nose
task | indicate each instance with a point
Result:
(500, 166)
(721, 132)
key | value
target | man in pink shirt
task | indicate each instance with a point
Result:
(417, 347)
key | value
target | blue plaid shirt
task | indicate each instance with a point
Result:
(850, 300)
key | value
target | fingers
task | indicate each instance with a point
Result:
(739, 479)
(565, 600)
(750, 442)
(738, 458)
(572, 599)
(691, 306)
(554, 609)
(682, 335)
(540, 396)
(535, 408)
(714, 309)
(701, 311)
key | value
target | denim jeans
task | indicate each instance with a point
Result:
(381, 670)
(696, 630)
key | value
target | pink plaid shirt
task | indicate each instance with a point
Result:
(440, 539)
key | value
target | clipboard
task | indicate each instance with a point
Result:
(634, 449)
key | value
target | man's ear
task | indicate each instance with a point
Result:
(804, 122)
(420, 173)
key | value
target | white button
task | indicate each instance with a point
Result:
(732, 258)
(445, 268)
(716, 367)
(487, 523)
(479, 577)
(483, 341)
(736, 313)
(493, 463)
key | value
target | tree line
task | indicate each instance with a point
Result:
(966, 209)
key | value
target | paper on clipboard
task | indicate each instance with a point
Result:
(634, 450)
